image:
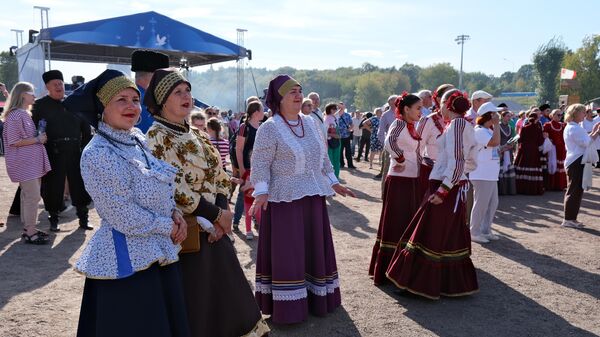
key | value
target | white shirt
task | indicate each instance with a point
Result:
(488, 160)
(457, 155)
(399, 143)
(429, 133)
(576, 141)
(589, 126)
(471, 115)
(356, 130)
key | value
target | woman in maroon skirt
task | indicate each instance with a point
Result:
(557, 181)
(296, 270)
(430, 128)
(401, 192)
(433, 256)
(528, 165)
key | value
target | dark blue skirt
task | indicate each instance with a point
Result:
(147, 303)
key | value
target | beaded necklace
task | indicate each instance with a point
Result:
(300, 123)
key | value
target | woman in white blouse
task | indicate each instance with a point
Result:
(576, 140)
(295, 265)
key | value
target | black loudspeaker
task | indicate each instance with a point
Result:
(32, 34)
(249, 53)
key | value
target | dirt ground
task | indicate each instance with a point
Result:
(537, 280)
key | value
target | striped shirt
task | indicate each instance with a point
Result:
(223, 146)
(27, 162)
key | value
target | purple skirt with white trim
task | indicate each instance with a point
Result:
(296, 271)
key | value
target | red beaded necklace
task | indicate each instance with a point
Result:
(292, 126)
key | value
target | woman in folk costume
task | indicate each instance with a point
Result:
(433, 256)
(291, 173)
(507, 184)
(528, 165)
(401, 193)
(218, 297)
(557, 181)
(133, 280)
(430, 128)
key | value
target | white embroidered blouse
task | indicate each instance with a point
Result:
(457, 153)
(399, 143)
(288, 167)
(429, 132)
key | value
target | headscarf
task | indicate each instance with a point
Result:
(278, 87)
(161, 85)
(90, 99)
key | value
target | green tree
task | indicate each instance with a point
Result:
(547, 61)
(525, 79)
(437, 74)
(370, 92)
(8, 70)
(586, 62)
(412, 71)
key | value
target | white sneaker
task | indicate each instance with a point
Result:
(569, 224)
(249, 236)
(578, 223)
(491, 236)
(479, 239)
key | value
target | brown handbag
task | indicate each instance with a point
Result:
(191, 244)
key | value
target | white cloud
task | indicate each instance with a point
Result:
(367, 53)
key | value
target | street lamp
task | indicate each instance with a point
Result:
(461, 41)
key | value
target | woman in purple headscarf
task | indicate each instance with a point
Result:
(296, 270)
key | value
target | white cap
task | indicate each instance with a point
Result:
(480, 94)
(487, 107)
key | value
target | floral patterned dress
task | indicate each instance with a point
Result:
(376, 145)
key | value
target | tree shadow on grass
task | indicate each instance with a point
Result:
(497, 310)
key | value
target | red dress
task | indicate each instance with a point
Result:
(558, 180)
(528, 165)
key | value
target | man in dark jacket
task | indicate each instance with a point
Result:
(67, 134)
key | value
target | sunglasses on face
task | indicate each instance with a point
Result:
(212, 113)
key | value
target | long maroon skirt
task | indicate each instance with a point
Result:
(401, 200)
(435, 258)
(296, 271)
(424, 172)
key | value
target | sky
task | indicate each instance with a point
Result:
(327, 34)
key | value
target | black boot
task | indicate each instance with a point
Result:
(53, 218)
(82, 214)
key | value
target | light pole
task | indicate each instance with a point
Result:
(461, 41)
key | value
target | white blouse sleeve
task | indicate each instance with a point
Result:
(455, 150)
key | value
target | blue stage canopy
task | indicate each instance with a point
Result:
(113, 40)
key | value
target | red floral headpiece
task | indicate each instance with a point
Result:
(458, 103)
(397, 103)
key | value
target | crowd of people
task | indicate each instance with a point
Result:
(162, 173)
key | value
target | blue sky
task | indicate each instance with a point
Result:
(326, 34)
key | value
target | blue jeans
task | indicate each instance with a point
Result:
(238, 211)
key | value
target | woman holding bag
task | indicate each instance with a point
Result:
(218, 297)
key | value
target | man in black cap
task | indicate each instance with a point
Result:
(67, 134)
(144, 63)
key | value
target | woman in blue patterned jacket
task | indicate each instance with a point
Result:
(133, 282)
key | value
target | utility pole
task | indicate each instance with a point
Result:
(19, 35)
(45, 44)
(461, 41)
(241, 100)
